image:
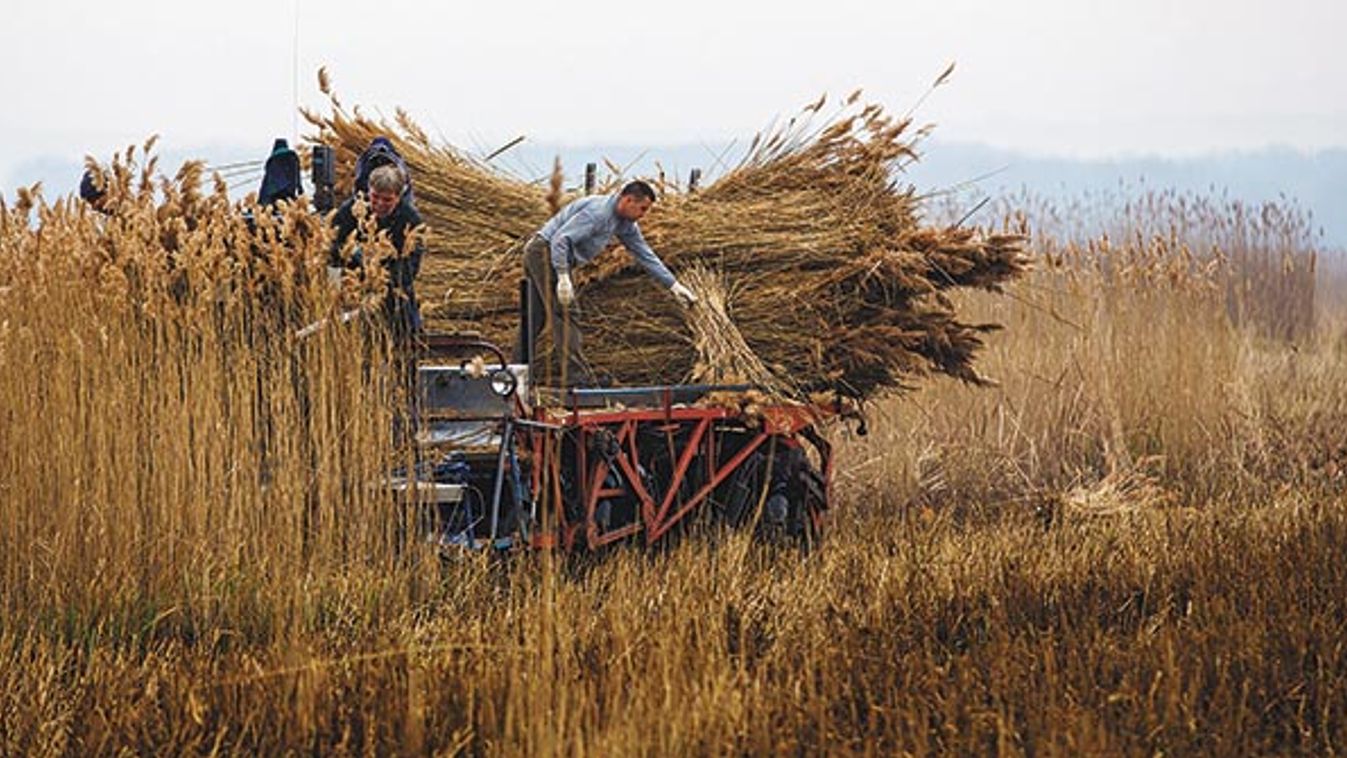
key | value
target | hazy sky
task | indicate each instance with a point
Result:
(1063, 77)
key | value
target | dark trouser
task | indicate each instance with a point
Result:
(403, 316)
(573, 369)
(403, 313)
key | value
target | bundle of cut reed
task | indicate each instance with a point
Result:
(723, 357)
(835, 280)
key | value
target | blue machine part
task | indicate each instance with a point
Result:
(452, 469)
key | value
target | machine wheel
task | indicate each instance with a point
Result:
(782, 510)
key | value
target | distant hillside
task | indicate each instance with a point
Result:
(1318, 181)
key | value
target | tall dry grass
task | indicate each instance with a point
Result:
(174, 461)
(1268, 252)
(1129, 355)
(1131, 545)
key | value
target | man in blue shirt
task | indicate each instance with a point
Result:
(573, 237)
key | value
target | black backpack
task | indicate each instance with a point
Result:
(379, 153)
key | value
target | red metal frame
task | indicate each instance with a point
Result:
(658, 513)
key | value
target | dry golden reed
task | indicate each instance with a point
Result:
(723, 357)
(1132, 545)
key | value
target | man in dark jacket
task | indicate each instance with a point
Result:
(281, 179)
(93, 190)
(395, 214)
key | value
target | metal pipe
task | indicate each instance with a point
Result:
(660, 390)
(501, 460)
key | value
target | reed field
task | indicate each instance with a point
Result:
(1128, 540)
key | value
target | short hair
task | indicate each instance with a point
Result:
(388, 178)
(639, 189)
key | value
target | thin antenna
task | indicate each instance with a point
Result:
(503, 148)
(294, 82)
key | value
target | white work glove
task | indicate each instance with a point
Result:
(334, 276)
(685, 296)
(565, 290)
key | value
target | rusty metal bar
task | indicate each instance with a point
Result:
(706, 489)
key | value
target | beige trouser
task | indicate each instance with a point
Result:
(542, 310)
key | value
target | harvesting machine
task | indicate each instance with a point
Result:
(507, 464)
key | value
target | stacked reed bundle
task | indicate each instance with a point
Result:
(723, 356)
(836, 283)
